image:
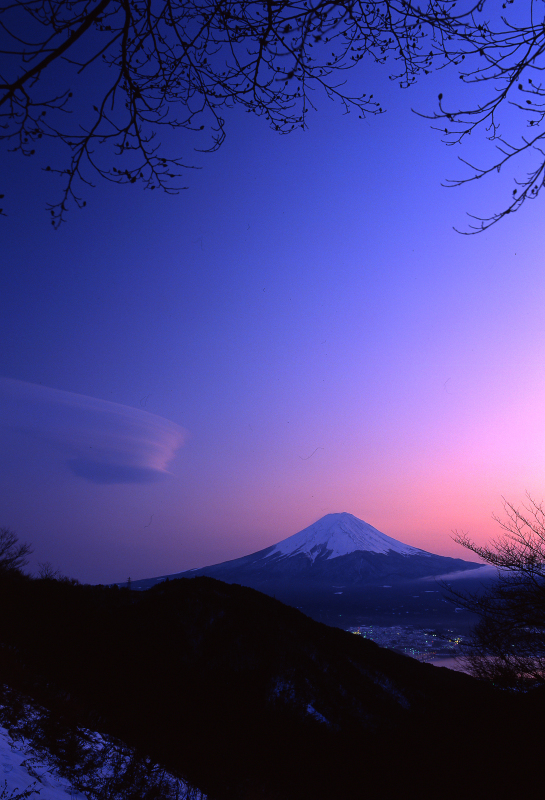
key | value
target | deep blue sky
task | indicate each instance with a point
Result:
(188, 379)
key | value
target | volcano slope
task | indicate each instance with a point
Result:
(248, 698)
(343, 571)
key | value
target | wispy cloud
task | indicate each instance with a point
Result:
(481, 572)
(100, 441)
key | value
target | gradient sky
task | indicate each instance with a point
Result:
(185, 380)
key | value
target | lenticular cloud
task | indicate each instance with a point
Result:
(100, 441)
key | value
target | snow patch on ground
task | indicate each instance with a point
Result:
(21, 771)
(311, 711)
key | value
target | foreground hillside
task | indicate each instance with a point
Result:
(248, 698)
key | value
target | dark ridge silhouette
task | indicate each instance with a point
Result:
(246, 697)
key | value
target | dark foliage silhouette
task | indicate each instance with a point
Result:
(13, 554)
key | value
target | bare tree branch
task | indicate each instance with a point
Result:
(178, 64)
(155, 65)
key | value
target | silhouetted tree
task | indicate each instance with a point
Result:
(508, 643)
(129, 69)
(13, 555)
(46, 571)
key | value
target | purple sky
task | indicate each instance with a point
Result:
(188, 379)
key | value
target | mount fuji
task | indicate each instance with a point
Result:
(339, 550)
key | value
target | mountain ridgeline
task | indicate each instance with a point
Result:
(337, 571)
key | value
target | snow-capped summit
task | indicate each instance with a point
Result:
(339, 535)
